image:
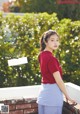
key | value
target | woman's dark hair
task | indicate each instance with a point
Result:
(44, 38)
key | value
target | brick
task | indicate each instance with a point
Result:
(20, 101)
(12, 107)
(8, 102)
(14, 101)
(16, 112)
(30, 111)
(23, 106)
(35, 110)
(34, 105)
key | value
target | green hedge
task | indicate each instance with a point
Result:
(20, 36)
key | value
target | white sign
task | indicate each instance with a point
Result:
(19, 61)
(1, 104)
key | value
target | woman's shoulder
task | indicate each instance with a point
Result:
(45, 54)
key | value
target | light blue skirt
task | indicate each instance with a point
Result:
(50, 95)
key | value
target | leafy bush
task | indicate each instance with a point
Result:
(20, 36)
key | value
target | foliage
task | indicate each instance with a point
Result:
(69, 49)
(63, 10)
(20, 35)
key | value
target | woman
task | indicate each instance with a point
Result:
(50, 99)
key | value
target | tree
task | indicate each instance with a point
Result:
(20, 36)
(63, 10)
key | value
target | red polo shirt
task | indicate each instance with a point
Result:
(48, 65)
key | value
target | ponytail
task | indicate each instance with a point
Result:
(42, 44)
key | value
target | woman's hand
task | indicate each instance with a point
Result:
(70, 100)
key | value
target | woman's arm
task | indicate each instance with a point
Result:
(61, 85)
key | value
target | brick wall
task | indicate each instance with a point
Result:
(21, 106)
(28, 105)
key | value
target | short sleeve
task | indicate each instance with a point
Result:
(53, 65)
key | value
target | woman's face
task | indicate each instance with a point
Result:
(53, 42)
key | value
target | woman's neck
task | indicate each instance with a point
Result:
(47, 49)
